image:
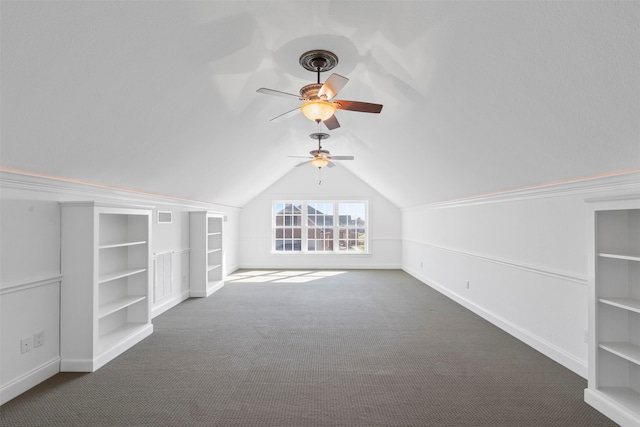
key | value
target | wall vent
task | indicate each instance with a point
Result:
(164, 217)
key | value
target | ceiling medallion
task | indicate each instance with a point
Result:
(318, 60)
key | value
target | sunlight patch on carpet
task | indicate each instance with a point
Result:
(280, 276)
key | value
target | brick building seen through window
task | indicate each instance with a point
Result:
(320, 227)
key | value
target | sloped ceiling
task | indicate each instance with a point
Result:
(479, 97)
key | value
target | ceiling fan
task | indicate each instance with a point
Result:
(319, 104)
(320, 157)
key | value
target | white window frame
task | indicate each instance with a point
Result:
(305, 228)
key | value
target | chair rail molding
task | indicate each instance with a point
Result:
(571, 277)
(24, 284)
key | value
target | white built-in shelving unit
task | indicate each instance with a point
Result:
(105, 304)
(206, 254)
(614, 309)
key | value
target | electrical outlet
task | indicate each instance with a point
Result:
(38, 339)
(421, 264)
(467, 284)
(26, 344)
(586, 336)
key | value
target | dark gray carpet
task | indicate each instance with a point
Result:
(361, 348)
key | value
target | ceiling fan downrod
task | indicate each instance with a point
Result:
(319, 136)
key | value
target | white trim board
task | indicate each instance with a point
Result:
(29, 380)
(618, 182)
(581, 279)
(548, 349)
(21, 285)
(24, 180)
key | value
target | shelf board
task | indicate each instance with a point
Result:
(624, 396)
(215, 233)
(624, 303)
(121, 245)
(618, 256)
(112, 307)
(625, 350)
(106, 341)
(214, 250)
(212, 267)
(119, 274)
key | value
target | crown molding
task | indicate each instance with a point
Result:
(614, 183)
(22, 180)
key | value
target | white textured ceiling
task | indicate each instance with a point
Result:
(160, 96)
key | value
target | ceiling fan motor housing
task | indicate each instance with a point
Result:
(320, 153)
(310, 92)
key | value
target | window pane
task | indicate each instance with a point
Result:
(320, 220)
(352, 226)
(287, 221)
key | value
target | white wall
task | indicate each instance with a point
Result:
(337, 184)
(30, 279)
(524, 255)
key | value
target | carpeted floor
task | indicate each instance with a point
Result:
(316, 348)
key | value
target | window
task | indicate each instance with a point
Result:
(320, 227)
(351, 228)
(288, 227)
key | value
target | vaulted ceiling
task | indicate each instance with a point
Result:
(479, 97)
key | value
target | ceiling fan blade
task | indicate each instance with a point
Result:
(342, 158)
(300, 157)
(286, 115)
(276, 93)
(332, 85)
(332, 123)
(331, 164)
(363, 107)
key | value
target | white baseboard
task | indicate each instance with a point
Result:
(553, 352)
(76, 365)
(29, 380)
(91, 365)
(611, 408)
(169, 304)
(209, 291)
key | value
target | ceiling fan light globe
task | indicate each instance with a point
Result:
(318, 110)
(319, 162)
